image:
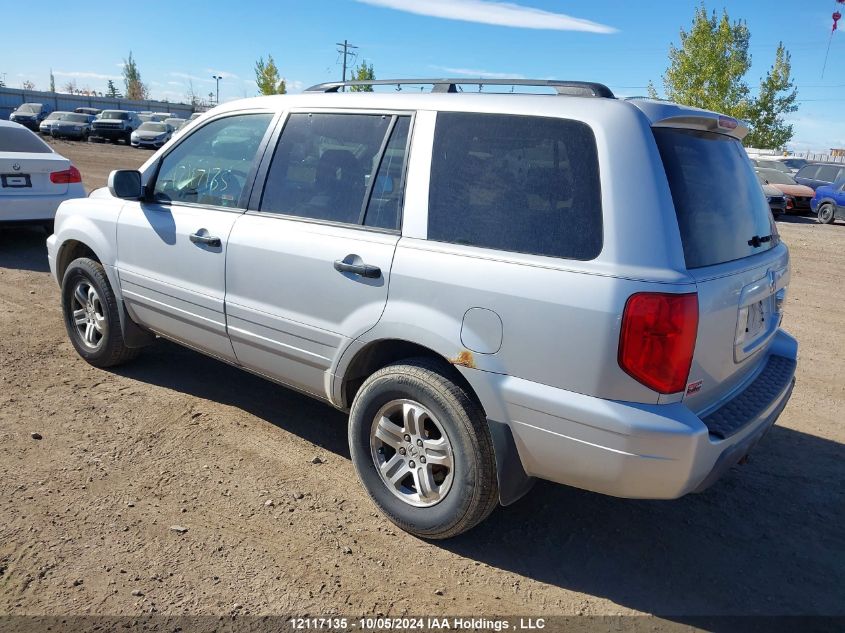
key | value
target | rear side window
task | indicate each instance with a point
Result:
(15, 139)
(828, 173)
(516, 183)
(719, 203)
(339, 168)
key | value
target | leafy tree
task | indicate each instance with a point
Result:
(28, 85)
(709, 68)
(52, 81)
(364, 72)
(135, 88)
(267, 77)
(777, 98)
(708, 71)
(112, 91)
(2, 83)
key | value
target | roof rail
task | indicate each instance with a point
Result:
(568, 88)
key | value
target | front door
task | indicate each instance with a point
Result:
(171, 247)
(309, 269)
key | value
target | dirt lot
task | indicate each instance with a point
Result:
(177, 439)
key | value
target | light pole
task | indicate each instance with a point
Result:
(217, 78)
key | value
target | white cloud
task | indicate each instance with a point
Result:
(471, 72)
(190, 77)
(221, 73)
(82, 74)
(497, 13)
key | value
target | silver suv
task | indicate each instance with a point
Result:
(497, 287)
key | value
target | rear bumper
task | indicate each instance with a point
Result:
(626, 449)
(36, 208)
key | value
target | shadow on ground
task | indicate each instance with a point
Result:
(767, 539)
(23, 248)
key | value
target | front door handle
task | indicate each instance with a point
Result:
(208, 240)
(364, 270)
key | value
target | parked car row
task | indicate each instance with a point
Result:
(797, 196)
(139, 129)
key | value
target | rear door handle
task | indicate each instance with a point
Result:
(364, 270)
(208, 240)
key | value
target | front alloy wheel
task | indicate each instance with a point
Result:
(88, 315)
(825, 214)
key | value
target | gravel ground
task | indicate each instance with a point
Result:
(179, 485)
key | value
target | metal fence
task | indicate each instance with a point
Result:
(821, 158)
(11, 98)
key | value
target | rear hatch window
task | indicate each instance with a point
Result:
(722, 213)
(13, 139)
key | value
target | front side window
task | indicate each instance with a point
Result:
(324, 166)
(212, 165)
(828, 173)
(523, 184)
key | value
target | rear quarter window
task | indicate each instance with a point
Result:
(718, 200)
(522, 184)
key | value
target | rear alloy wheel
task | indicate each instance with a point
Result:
(422, 448)
(825, 214)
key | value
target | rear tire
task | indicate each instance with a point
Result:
(444, 476)
(91, 315)
(826, 213)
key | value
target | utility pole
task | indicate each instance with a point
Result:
(346, 53)
(217, 78)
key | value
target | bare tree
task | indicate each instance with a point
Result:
(27, 85)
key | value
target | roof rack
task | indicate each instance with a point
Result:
(568, 88)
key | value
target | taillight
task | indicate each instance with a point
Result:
(66, 176)
(658, 339)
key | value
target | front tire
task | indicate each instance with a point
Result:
(826, 213)
(91, 315)
(421, 447)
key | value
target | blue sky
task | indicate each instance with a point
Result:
(622, 44)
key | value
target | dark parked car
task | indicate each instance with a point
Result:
(817, 174)
(829, 202)
(74, 125)
(30, 115)
(797, 196)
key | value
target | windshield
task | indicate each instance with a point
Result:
(721, 210)
(773, 164)
(76, 118)
(777, 177)
(16, 139)
(30, 108)
(122, 116)
(56, 115)
(152, 127)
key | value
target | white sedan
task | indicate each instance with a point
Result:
(34, 180)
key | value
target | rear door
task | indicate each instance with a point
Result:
(732, 250)
(171, 248)
(308, 266)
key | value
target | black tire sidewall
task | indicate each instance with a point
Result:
(454, 507)
(83, 269)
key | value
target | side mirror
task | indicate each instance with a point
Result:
(126, 184)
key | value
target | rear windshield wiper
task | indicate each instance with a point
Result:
(758, 240)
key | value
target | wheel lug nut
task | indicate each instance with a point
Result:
(419, 442)
(411, 463)
(401, 451)
(407, 437)
(422, 460)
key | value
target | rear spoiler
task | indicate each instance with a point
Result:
(666, 114)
